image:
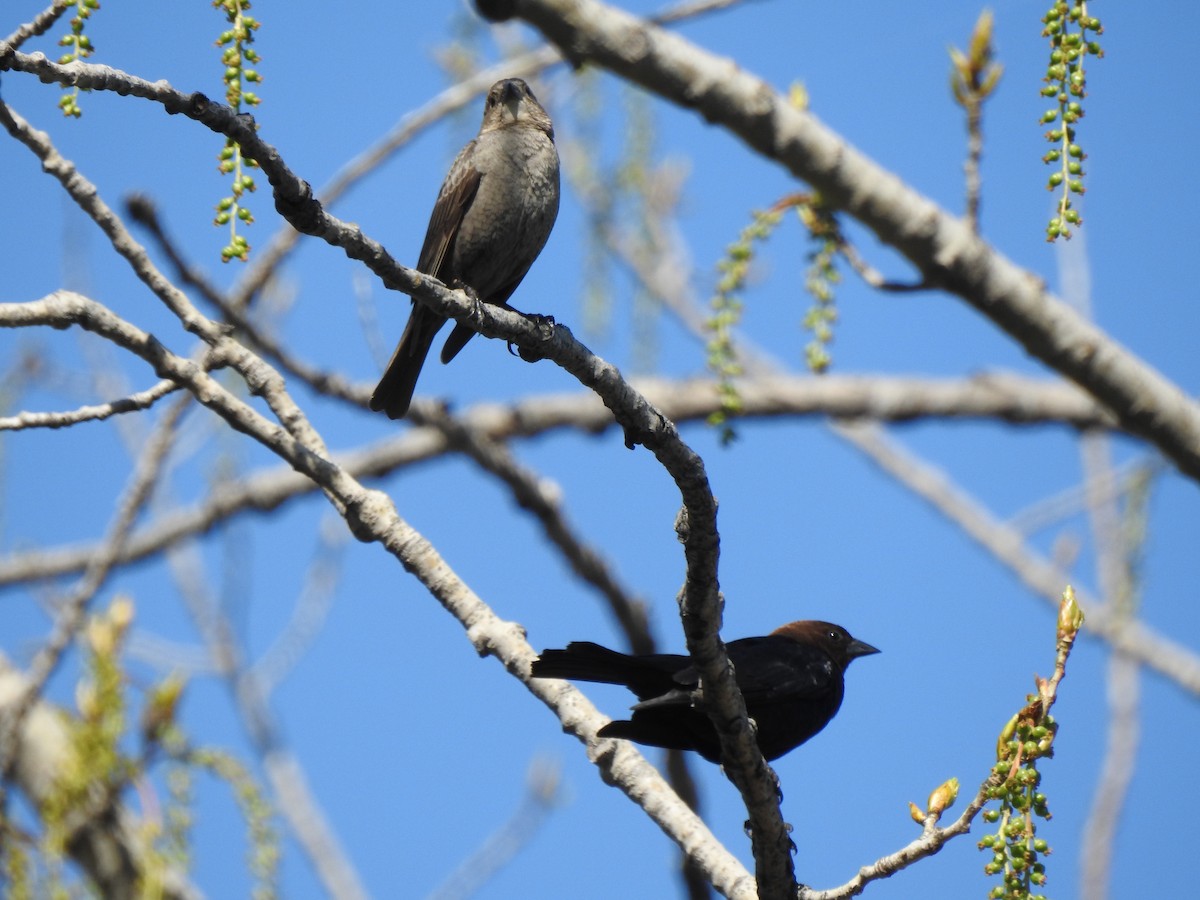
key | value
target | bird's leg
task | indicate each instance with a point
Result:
(477, 311)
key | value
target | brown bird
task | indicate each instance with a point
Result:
(791, 679)
(491, 219)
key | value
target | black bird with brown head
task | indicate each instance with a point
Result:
(792, 680)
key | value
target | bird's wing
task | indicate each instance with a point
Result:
(458, 190)
(670, 698)
(773, 667)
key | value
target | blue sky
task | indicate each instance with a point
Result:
(417, 749)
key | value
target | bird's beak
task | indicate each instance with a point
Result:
(857, 648)
(511, 98)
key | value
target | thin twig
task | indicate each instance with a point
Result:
(932, 840)
(1115, 549)
(38, 25)
(540, 798)
(310, 609)
(95, 413)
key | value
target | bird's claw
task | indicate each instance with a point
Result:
(545, 326)
(477, 304)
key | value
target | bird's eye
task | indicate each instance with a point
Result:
(835, 636)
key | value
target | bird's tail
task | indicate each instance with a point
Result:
(394, 392)
(457, 340)
(585, 661)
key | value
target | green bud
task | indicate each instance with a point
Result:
(1055, 180)
(943, 796)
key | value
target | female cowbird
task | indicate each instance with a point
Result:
(791, 679)
(490, 221)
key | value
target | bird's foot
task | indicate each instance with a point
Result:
(748, 829)
(545, 326)
(477, 308)
(778, 784)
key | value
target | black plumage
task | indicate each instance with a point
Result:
(792, 681)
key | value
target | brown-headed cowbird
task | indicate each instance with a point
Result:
(491, 219)
(791, 679)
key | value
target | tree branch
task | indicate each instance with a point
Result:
(941, 246)
(95, 413)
